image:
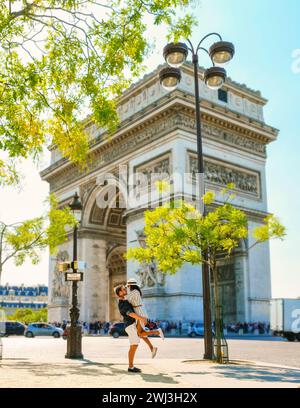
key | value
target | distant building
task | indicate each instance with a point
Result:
(14, 297)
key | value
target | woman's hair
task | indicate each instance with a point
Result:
(135, 287)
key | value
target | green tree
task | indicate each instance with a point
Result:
(26, 239)
(179, 234)
(63, 59)
(29, 315)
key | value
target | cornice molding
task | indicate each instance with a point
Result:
(175, 105)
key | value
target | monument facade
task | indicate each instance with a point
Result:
(157, 135)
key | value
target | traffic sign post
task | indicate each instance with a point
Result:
(74, 276)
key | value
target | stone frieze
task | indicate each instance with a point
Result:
(146, 135)
(221, 174)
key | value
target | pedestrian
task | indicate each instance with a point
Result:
(134, 296)
(129, 317)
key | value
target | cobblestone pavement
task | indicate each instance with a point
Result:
(40, 362)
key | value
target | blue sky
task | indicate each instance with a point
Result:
(265, 33)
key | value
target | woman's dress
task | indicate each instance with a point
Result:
(134, 297)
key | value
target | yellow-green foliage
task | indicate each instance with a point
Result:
(179, 233)
(61, 60)
(30, 315)
(26, 239)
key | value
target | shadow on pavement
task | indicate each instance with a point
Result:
(252, 373)
(85, 368)
(258, 373)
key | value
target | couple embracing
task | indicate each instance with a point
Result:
(135, 319)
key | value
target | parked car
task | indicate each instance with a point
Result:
(43, 329)
(197, 329)
(117, 329)
(12, 328)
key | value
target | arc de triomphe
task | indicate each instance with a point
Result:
(157, 134)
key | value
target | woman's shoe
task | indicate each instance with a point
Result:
(154, 351)
(161, 334)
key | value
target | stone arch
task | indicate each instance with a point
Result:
(91, 201)
(104, 235)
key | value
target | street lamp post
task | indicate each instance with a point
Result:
(74, 339)
(175, 55)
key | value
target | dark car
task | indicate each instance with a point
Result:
(12, 328)
(117, 329)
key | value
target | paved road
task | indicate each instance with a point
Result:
(40, 362)
(275, 350)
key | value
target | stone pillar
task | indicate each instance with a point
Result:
(259, 279)
(241, 287)
(95, 294)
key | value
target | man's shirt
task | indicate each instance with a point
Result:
(125, 308)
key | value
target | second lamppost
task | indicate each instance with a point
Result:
(74, 340)
(175, 55)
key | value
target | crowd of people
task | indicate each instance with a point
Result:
(98, 327)
(248, 328)
(170, 327)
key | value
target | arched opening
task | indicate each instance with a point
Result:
(105, 229)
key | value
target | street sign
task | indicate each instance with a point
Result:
(73, 277)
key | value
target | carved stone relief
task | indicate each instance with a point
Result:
(221, 174)
(149, 276)
(60, 288)
(155, 170)
(85, 190)
(213, 132)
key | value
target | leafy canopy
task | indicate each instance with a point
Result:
(179, 234)
(26, 240)
(63, 59)
(29, 315)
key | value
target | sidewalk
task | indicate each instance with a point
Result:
(112, 373)
(40, 362)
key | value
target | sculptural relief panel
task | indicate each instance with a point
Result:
(60, 289)
(221, 174)
(156, 169)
